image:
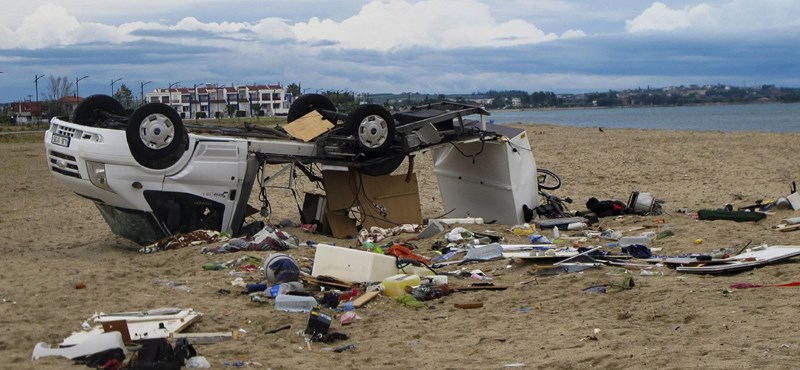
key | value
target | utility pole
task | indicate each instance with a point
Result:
(141, 88)
(36, 84)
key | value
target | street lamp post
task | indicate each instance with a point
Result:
(112, 85)
(77, 93)
(195, 97)
(169, 91)
(36, 84)
(141, 88)
(219, 98)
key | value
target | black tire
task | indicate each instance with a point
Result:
(385, 166)
(156, 136)
(547, 179)
(307, 103)
(93, 110)
(374, 128)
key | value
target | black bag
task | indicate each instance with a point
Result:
(605, 208)
(110, 359)
(158, 354)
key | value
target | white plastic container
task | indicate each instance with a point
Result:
(352, 265)
(294, 303)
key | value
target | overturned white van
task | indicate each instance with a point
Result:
(152, 176)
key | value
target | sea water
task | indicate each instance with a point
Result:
(742, 117)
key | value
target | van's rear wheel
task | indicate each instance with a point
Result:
(385, 166)
(156, 136)
(95, 109)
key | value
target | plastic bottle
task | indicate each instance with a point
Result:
(252, 288)
(556, 233)
(577, 226)
(283, 288)
(213, 266)
(417, 270)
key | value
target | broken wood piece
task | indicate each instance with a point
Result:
(282, 328)
(468, 305)
(482, 286)
(364, 298)
(121, 326)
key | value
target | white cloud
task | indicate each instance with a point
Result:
(385, 25)
(659, 17)
(721, 17)
(51, 25)
(446, 24)
(573, 34)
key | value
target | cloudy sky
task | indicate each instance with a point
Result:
(432, 46)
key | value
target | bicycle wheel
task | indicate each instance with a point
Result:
(547, 179)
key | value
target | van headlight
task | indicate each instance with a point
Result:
(97, 174)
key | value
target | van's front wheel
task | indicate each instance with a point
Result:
(156, 136)
(374, 128)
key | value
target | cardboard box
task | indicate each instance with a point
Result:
(383, 201)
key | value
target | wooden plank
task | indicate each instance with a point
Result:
(334, 283)
(784, 227)
(364, 298)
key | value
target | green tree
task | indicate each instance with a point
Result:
(231, 108)
(124, 96)
(255, 110)
(293, 89)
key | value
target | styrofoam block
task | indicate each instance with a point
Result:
(352, 265)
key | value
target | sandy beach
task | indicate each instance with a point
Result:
(54, 239)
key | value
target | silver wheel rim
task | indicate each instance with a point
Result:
(373, 131)
(156, 131)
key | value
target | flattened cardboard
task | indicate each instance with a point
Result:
(339, 225)
(308, 127)
(399, 198)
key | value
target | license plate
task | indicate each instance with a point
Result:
(60, 140)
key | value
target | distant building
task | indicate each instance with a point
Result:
(25, 112)
(69, 102)
(210, 101)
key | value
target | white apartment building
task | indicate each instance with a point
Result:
(211, 101)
